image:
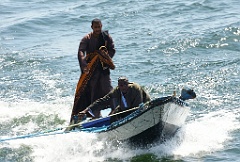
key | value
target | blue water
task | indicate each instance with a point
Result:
(163, 45)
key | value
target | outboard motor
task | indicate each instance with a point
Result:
(187, 94)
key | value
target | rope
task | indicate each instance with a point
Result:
(44, 133)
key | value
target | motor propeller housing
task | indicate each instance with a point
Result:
(187, 94)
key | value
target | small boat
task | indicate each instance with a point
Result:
(156, 120)
(153, 121)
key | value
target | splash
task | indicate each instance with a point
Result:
(201, 137)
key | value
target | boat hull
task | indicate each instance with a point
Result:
(152, 124)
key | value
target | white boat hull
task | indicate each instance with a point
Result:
(160, 121)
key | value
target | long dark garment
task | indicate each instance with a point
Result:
(94, 84)
(98, 86)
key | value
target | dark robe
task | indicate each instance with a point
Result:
(100, 82)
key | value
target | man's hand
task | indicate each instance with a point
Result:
(82, 114)
(85, 70)
(104, 51)
(84, 67)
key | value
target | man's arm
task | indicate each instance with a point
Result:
(110, 47)
(81, 56)
(137, 95)
(101, 103)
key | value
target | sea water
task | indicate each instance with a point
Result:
(162, 45)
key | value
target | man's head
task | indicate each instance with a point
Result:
(96, 26)
(123, 84)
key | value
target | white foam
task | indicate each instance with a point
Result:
(202, 136)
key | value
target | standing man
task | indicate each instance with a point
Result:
(94, 55)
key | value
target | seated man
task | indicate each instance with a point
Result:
(125, 96)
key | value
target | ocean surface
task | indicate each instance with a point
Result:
(162, 45)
